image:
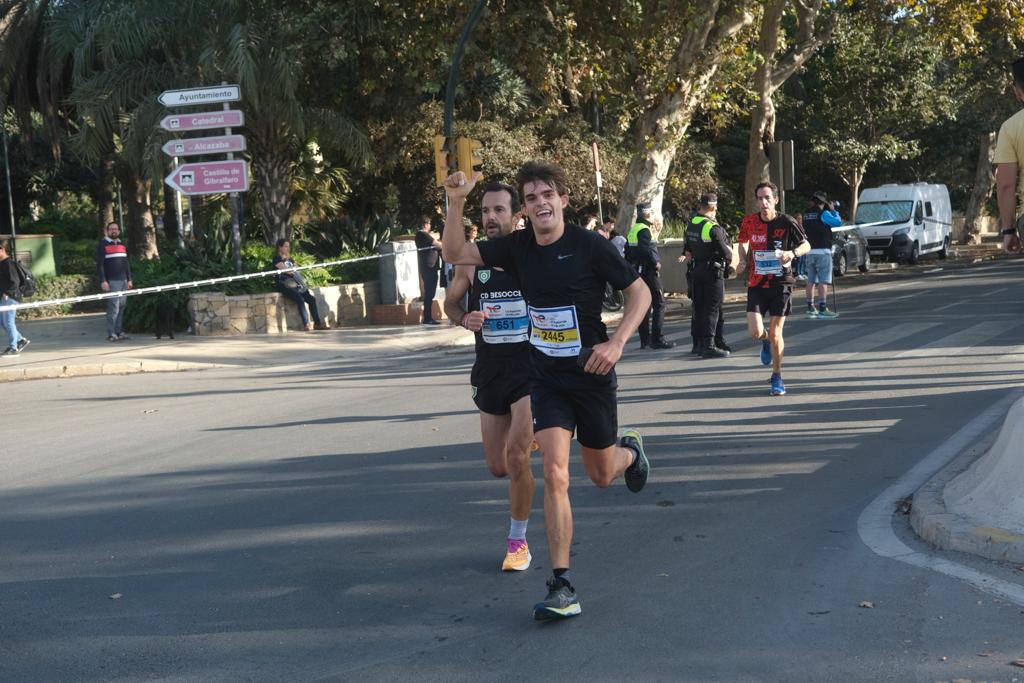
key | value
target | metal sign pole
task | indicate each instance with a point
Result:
(10, 196)
(236, 232)
(177, 209)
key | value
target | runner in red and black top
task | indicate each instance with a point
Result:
(563, 270)
(769, 241)
(500, 377)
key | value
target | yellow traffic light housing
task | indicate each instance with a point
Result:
(445, 161)
(468, 151)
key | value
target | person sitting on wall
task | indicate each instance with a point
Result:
(293, 286)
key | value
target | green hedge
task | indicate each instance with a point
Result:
(62, 287)
(77, 257)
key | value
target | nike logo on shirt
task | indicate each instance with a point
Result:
(563, 256)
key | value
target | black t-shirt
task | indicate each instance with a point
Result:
(506, 330)
(288, 264)
(563, 284)
(428, 258)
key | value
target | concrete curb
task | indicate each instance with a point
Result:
(934, 523)
(94, 369)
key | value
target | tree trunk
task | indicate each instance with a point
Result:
(984, 182)
(171, 228)
(771, 74)
(272, 169)
(141, 230)
(662, 127)
(856, 177)
(105, 191)
(762, 135)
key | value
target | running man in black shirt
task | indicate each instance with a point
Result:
(500, 377)
(563, 270)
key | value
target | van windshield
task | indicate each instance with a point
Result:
(889, 212)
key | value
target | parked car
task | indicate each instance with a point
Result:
(850, 250)
(909, 220)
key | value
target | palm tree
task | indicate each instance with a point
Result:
(261, 47)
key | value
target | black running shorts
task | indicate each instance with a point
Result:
(776, 300)
(580, 402)
(498, 383)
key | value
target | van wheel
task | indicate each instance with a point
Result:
(915, 255)
(942, 252)
(866, 266)
(841, 264)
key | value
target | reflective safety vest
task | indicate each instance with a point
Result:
(698, 240)
(633, 236)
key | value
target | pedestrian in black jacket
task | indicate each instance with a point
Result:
(115, 275)
(10, 283)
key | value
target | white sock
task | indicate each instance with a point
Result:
(517, 529)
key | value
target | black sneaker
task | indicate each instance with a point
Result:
(561, 602)
(662, 344)
(636, 474)
(720, 343)
(123, 337)
(23, 343)
(10, 351)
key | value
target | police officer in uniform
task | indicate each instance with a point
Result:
(642, 253)
(710, 254)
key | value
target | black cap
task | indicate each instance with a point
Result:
(643, 207)
(820, 196)
(709, 199)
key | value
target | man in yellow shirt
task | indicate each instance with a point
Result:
(1008, 159)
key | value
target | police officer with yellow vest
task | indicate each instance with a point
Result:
(709, 252)
(642, 253)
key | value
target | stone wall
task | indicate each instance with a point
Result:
(216, 314)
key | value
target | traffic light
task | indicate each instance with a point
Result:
(444, 158)
(469, 157)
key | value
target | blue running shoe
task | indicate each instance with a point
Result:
(778, 386)
(766, 352)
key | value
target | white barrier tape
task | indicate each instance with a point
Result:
(841, 228)
(187, 285)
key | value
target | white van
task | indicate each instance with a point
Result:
(910, 220)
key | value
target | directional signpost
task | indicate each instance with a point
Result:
(208, 177)
(219, 144)
(194, 96)
(229, 118)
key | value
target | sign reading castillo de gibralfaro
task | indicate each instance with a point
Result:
(210, 177)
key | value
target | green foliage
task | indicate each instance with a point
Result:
(77, 258)
(62, 287)
(870, 89)
(73, 217)
(327, 239)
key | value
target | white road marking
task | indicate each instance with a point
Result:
(858, 346)
(875, 524)
(955, 343)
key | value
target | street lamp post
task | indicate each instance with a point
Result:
(453, 77)
(10, 196)
(453, 73)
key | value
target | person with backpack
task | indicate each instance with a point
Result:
(12, 286)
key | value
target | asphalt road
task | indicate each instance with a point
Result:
(335, 521)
